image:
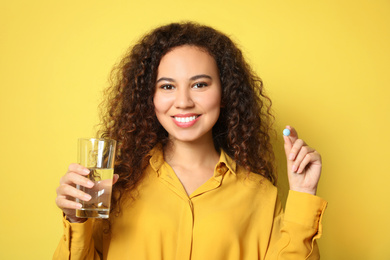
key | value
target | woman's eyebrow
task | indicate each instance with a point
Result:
(192, 78)
(165, 79)
(200, 76)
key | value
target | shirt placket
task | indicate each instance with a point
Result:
(186, 216)
(186, 222)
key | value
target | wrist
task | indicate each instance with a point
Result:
(75, 219)
(309, 191)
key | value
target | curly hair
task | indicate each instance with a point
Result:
(242, 130)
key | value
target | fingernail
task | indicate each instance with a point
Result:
(86, 170)
(87, 197)
(291, 157)
(90, 184)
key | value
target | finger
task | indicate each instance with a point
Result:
(300, 157)
(297, 145)
(293, 133)
(287, 145)
(66, 191)
(73, 178)
(77, 168)
(115, 179)
(289, 139)
(64, 203)
(308, 159)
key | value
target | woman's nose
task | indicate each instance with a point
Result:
(183, 98)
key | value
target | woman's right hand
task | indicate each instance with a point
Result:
(67, 191)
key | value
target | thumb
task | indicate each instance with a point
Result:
(115, 179)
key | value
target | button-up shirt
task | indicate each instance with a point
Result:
(234, 215)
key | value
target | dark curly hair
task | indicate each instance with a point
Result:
(242, 130)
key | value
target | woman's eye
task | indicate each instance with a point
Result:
(200, 85)
(167, 87)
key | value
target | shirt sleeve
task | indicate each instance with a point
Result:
(294, 233)
(77, 242)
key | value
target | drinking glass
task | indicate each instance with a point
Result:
(98, 156)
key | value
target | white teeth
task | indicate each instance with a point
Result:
(185, 119)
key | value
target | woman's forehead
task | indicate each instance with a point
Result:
(187, 59)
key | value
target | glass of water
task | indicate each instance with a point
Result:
(98, 156)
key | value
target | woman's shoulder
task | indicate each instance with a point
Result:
(246, 178)
(252, 188)
(255, 178)
(256, 183)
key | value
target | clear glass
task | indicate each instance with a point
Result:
(98, 156)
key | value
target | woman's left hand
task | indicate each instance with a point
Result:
(303, 164)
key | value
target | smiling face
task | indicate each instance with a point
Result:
(187, 98)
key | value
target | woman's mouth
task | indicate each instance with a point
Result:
(185, 120)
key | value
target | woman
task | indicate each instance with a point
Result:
(194, 170)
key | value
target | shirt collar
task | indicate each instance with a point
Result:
(224, 164)
(157, 157)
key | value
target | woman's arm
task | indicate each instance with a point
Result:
(77, 241)
(294, 232)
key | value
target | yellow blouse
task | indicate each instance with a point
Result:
(231, 216)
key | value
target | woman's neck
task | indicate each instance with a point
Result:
(200, 153)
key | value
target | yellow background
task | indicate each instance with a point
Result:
(325, 65)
